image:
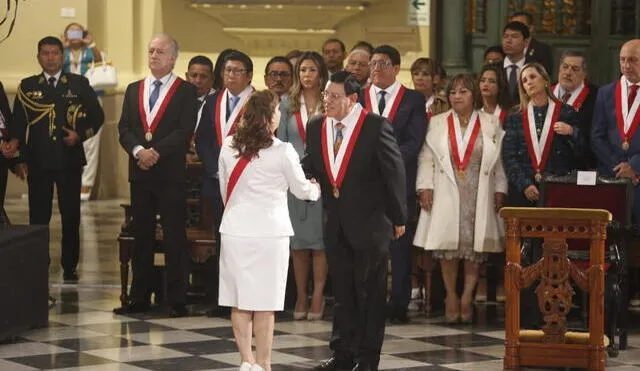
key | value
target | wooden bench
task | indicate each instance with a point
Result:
(200, 234)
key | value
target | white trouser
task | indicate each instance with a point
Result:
(91, 151)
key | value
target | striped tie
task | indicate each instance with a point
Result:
(338, 138)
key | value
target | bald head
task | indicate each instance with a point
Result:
(163, 51)
(630, 60)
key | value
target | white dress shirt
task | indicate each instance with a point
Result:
(56, 76)
(508, 63)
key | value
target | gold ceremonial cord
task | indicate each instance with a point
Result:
(43, 109)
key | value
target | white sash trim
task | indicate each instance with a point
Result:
(628, 114)
(430, 101)
(244, 97)
(164, 89)
(346, 136)
(574, 95)
(389, 99)
(463, 141)
(303, 112)
(539, 145)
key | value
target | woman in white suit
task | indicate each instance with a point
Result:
(256, 170)
(461, 184)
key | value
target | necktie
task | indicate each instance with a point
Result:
(153, 98)
(52, 82)
(337, 141)
(565, 97)
(232, 102)
(633, 91)
(513, 84)
(382, 103)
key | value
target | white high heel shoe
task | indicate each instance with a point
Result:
(246, 366)
(256, 367)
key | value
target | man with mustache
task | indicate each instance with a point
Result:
(574, 89)
(278, 75)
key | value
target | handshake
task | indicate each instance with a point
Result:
(147, 158)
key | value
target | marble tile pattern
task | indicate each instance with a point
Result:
(84, 335)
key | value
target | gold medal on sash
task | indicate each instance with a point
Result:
(538, 177)
(461, 174)
(625, 145)
(148, 136)
(336, 192)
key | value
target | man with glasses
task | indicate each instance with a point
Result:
(277, 76)
(221, 113)
(358, 65)
(574, 89)
(333, 52)
(356, 159)
(405, 109)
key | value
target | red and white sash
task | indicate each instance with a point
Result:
(392, 102)
(539, 148)
(225, 127)
(238, 169)
(462, 145)
(577, 98)
(627, 116)
(337, 169)
(302, 118)
(158, 110)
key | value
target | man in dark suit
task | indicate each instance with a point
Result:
(61, 111)
(405, 109)
(158, 118)
(220, 114)
(536, 50)
(515, 37)
(365, 208)
(5, 163)
(574, 89)
(616, 117)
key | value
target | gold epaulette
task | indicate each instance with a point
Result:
(38, 108)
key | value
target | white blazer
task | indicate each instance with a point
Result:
(439, 229)
(258, 204)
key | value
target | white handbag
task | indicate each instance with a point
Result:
(102, 75)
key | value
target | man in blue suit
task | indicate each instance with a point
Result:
(616, 117)
(406, 110)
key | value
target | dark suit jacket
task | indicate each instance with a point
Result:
(207, 147)
(75, 106)
(587, 158)
(170, 140)
(515, 154)
(373, 194)
(605, 138)
(410, 129)
(541, 53)
(6, 119)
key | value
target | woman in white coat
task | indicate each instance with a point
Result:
(256, 170)
(461, 185)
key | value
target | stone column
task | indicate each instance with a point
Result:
(454, 60)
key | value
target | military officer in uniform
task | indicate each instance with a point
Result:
(59, 111)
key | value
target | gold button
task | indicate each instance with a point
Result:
(441, 171)
(53, 139)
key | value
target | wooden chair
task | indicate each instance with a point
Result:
(554, 346)
(615, 196)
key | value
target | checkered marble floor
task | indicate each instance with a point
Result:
(83, 333)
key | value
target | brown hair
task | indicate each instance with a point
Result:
(424, 63)
(296, 88)
(254, 132)
(524, 98)
(504, 99)
(468, 82)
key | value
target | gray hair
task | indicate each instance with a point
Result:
(572, 53)
(174, 47)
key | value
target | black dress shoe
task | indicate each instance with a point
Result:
(400, 316)
(219, 312)
(70, 276)
(132, 307)
(361, 366)
(178, 310)
(329, 364)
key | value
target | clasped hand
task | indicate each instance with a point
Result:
(624, 170)
(147, 158)
(9, 148)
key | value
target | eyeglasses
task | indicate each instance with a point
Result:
(234, 71)
(276, 74)
(359, 64)
(331, 96)
(379, 64)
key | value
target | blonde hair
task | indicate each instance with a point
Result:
(524, 98)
